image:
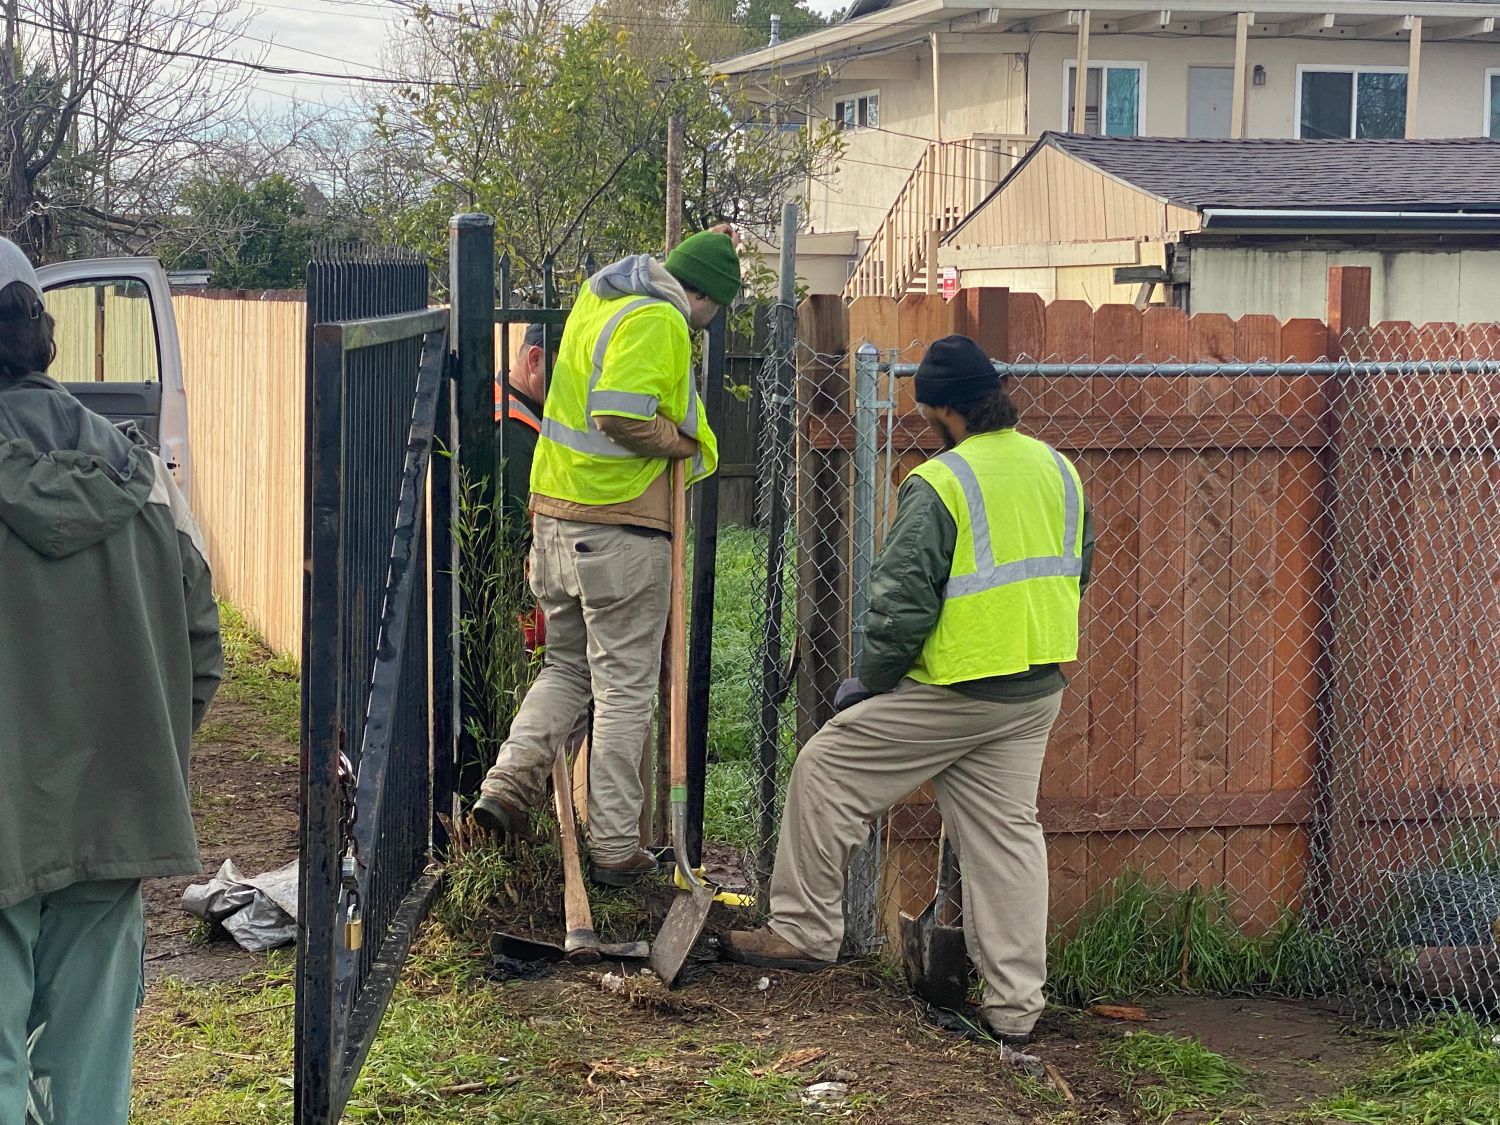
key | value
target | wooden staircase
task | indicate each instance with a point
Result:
(950, 180)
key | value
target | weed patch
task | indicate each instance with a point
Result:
(1446, 1072)
(1140, 938)
(1171, 1075)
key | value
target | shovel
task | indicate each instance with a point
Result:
(932, 943)
(690, 907)
(580, 944)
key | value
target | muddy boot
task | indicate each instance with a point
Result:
(498, 818)
(766, 949)
(626, 874)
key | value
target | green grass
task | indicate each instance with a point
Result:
(1446, 1072)
(1170, 1075)
(213, 1054)
(1132, 939)
(257, 678)
(739, 596)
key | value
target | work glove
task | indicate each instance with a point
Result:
(850, 692)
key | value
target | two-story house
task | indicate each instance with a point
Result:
(939, 100)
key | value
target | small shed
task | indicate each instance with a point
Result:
(1243, 226)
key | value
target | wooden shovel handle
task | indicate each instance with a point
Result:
(677, 633)
(577, 915)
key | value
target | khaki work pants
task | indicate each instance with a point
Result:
(985, 761)
(605, 591)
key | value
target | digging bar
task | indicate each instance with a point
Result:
(690, 907)
(932, 943)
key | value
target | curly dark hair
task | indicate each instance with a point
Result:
(26, 333)
(995, 411)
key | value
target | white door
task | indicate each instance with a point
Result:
(1210, 91)
(117, 347)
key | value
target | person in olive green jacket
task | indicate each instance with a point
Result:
(973, 609)
(109, 657)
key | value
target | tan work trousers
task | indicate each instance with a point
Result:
(605, 591)
(985, 761)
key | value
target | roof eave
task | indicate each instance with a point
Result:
(1271, 220)
(831, 43)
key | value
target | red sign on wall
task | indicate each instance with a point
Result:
(950, 282)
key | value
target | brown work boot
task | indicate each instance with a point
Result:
(625, 874)
(498, 818)
(766, 949)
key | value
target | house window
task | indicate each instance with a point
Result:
(1349, 102)
(1112, 101)
(862, 112)
(1492, 104)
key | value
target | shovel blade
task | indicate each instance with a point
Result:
(525, 949)
(916, 932)
(680, 932)
(945, 979)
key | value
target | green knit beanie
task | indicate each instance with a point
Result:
(708, 263)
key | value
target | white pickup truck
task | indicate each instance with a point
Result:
(117, 347)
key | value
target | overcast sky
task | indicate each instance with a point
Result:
(340, 36)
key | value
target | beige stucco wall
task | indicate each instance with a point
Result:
(981, 94)
(1451, 94)
(1419, 286)
(823, 260)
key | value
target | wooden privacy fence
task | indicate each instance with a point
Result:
(244, 369)
(1287, 664)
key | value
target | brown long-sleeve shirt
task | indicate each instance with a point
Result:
(656, 437)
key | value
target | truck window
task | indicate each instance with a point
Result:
(105, 332)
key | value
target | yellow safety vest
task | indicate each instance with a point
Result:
(627, 356)
(1013, 590)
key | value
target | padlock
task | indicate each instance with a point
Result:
(354, 927)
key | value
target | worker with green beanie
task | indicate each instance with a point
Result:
(621, 407)
(974, 606)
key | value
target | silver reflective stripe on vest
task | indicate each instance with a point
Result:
(988, 576)
(690, 420)
(589, 440)
(527, 414)
(626, 401)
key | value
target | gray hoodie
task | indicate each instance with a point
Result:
(109, 650)
(640, 275)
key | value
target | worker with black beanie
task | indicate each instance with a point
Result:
(974, 606)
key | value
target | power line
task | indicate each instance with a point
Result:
(246, 64)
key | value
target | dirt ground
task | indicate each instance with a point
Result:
(857, 1024)
(245, 807)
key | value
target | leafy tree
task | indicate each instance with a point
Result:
(252, 236)
(559, 130)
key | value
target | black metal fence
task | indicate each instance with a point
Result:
(381, 705)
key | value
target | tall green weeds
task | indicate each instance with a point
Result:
(1140, 937)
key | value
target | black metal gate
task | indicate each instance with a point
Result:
(380, 711)
(400, 419)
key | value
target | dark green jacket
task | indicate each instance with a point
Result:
(906, 596)
(109, 650)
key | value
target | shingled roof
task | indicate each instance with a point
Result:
(1460, 174)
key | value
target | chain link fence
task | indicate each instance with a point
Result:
(1276, 762)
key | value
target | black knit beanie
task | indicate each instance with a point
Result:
(955, 371)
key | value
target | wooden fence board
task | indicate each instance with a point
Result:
(1160, 622)
(1208, 581)
(1112, 489)
(1299, 565)
(1253, 566)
